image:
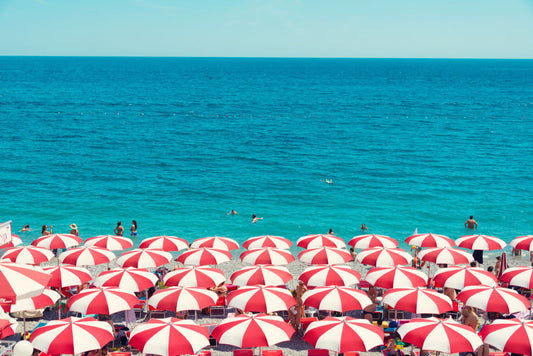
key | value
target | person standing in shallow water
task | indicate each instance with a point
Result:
(471, 223)
(119, 230)
(133, 228)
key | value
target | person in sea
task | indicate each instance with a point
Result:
(255, 219)
(44, 230)
(26, 228)
(363, 227)
(74, 230)
(119, 229)
(133, 228)
(232, 212)
(330, 232)
(471, 223)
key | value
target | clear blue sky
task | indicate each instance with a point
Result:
(268, 28)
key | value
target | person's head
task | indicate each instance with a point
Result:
(26, 226)
(330, 231)
(498, 258)
(253, 216)
(104, 350)
(351, 249)
(473, 264)
(119, 223)
(44, 229)
(490, 269)
(467, 310)
(471, 217)
(73, 226)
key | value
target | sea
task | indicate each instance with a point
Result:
(176, 143)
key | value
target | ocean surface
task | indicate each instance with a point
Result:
(176, 143)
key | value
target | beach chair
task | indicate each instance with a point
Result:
(243, 352)
(272, 352)
(317, 352)
(218, 309)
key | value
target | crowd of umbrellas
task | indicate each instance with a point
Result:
(332, 286)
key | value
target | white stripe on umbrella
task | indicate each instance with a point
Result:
(330, 275)
(21, 281)
(381, 256)
(523, 242)
(71, 336)
(31, 255)
(261, 275)
(252, 331)
(325, 256)
(319, 240)
(458, 277)
(111, 242)
(518, 276)
(194, 276)
(418, 300)
(430, 240)
(510, 335)
(67, 276)
(267, 241)
(144, 258)
(439, 335)
(57, 241)
(166, 243)
(445, 255)
(182, 298)
(86, 256)
(169, 337)
(396, 277)
(367, 241)
(480, 242)
(216, 242)
(204, 256)
(261, 299)
(344, 334)
(267, 256)
(133, 279)
(336, 298)
(102, 300)
(494, 299)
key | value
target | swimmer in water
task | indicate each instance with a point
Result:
(232, 212)
(363, 227)
(255, 218)
(26, 228)
(329, 181)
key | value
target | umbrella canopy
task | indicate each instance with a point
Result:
(217, 242)
(523, 242)
(267, 241)
(445, 255)
(8, 325)
(204, 256)
(367, 241)
(261, 275)
(396, 277)
(319, 240)
(267, 256)
(48, 297)
(111, 242)
(102, 300)
(493, 299)
(165, 243)
(458, 277)
(195, 276)
(510, 335)
(382, 256)
(336, 298)
(67, 276)
(518, 276)
(330, 275)
(182, 298)
(344, 334)
(30, 255)
(445, 335)
(418, 300)
(480, 242)
(252, 331)
(261, 299)
(169, 337)
(86, 256)
(144, 258)
(430, 240)
(71, 336)
(132, 279)
(21, 281)
(325, 256)
(57, 241)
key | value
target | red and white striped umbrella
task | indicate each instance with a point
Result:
(382, 256)
(169, 337)
(518, 276)
(131, 279)
(57, 241)
(430, 240)
(523, 242)
(86, 256)
(445, 255)
(509, 335)
(67, 276)
(262, 299)
(252, 331)
(418, 300)
(216, 242)
(30, 255)
(494, 299)
(21, 281)
(261, 275)
(111, 242)
(166, 243)
(336, 298)
(195, 276)
(367, 241)
(325, 256)
(102, 300)
(267, 256)
(458, 277)
(72, 336)
(144, 258)
(480, 242)
(267, 241)
(182, 298)
(8, 325)
(204, 256)
(319, 240)
(344, 334)
(330, 275)
(444, 335)
(15, 241)
(396, 277)
(48, 297)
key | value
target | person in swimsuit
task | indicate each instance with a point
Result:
(119, 230)
(133, 228)
(74, 230)
(44, 230)
(255, 219)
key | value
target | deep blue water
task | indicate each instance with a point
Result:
(176, 143)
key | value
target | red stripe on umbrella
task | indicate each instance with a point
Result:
(165, 243)
(319, 240)
(204, 256)
(430, 240)
(111, 242)
(396, 277)
(195, 276)
(330, 275)
(57, 241)
(267, 256)
(261, 275)
(494, 299)
(261, 299)
(325, 256)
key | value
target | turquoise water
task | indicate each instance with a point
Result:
(176, 143)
